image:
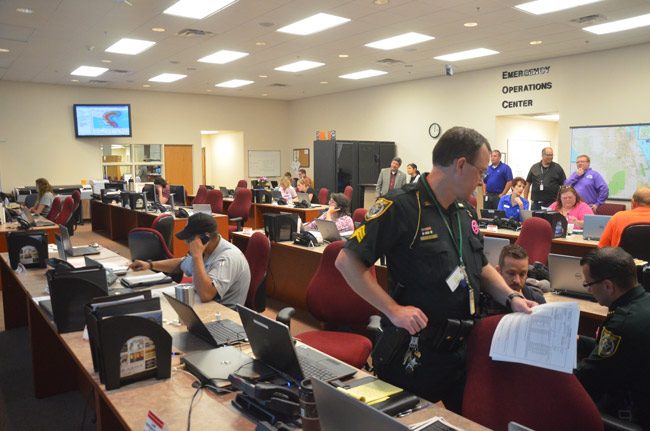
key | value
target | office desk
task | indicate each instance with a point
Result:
(13, 227)
(306, 214)
(572, 245)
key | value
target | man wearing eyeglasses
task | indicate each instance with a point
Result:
(616, 373)
(544, 179)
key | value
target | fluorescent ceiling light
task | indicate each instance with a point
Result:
(313, 24)
(234, 83)
(399, 41)
(130, 46)
(465, 55)
(222, 57)
(363, 74)
(540, 7)
(547, 117)
(209, 132)
(88, 71)
(167, 77)
(197, 9)
(299, 66)
(620, 25)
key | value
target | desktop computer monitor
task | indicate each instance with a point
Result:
(149, 190)
(280, 227)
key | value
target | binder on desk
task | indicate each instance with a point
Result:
(146, 280)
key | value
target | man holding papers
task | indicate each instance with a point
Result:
(219, 270)
(616, 373)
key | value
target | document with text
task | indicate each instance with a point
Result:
(547, 338)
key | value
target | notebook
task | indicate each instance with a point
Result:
(202, 208)
(218, 333)
(492, 248)
(74, 251)
(272, 344)
(566, 276)
(328, 230)
(594, 225)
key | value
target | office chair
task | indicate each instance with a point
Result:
(30, 200)
(76, 212)
(332, 301)
(66, 213)
(535, 237)
(609, 209)
(635, 240)
(55, 209)
(242, 183)
(323, 196)
(146, 243)
(164, 224)
(239, 209)
(499, 392)
(201, 195)
(258, 255)
(359, 215)
(179, 194)
(348, 193)
(215, 199)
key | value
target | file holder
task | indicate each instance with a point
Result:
(28, 248)
(68, 295)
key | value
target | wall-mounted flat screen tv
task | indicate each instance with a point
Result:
(93, 121)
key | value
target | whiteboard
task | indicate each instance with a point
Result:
(524, 153)
(263, 163)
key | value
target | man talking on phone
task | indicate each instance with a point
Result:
(218, 269)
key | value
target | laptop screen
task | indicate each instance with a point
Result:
(566, 274)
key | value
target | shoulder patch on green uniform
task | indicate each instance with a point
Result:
(378, 209)
(608, 344)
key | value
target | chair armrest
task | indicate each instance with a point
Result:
(614, 424)
(238, 221)
(285, 315)
(374, 328)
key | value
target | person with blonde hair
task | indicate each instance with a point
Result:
(288, 192)
(44, 199)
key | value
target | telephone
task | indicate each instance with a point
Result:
(282, 201)
(23, 224)
(182, 213)
(205, 238)
(160, 207)
(302, 204)
(307, 238)
(58, 263)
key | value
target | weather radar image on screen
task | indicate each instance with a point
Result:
(102, 120)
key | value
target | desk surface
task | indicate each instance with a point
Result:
(13, 227)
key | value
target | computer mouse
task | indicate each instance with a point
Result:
(94, 245)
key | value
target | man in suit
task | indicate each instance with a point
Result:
(390, 178)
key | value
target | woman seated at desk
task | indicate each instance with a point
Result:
(303, 188)
(288, 192)
(569, 204)
(44, 199)
(338, 211)
(162, 189)
(513, 204)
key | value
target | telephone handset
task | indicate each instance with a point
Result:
(182, 213)
(205, 238)
(160, 207)
(307, 239)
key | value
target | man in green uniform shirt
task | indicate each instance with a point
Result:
(617, 371)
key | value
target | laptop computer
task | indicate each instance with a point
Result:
(492, 248)
(40, 221)
(302, 196)
(272, 344)
(225, 192)
(74, 251)
(594, 225)
(328, 230)
(485, 213)
(525, 215)
(202, 208)
(566, 276)
(217, 334)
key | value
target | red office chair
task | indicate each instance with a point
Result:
(472, 200)
(76, 212)
(635, 239)
(242, 183)
(499, 392)
(348, 192)
(535, 237)
(215, 199)
(258, 255)
(66, 212)
(201, 195)
(239, 209)
(147, 243)
(323, 196)
(331, 300)
(609, 209)
(164, 224)
(359, 215)
(55, 209)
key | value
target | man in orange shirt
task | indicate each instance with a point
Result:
(640, 213)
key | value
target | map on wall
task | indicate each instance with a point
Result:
(620, 153)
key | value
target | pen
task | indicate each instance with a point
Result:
(413, 410)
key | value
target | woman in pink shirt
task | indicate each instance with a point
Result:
(570, 205)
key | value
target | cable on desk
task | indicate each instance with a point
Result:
(214, 388)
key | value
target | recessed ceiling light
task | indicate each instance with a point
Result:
(107, 61)
(470, 24)
(146, 85)
(88, 71)
(299, 66)
(540, 7)
(620, 25)
(264, 94)
(535, 42)
(324, 82)
(158, 29)
(344, 55)
(197, 9)
(167, 77)
(209, 132)
(313, 24)
(222, 57)
(260, 43)
(4, 50)
(130, 46)
(363, 74)
(399, 41)
(547, 117)
(26, 10)
(263, 76)
(74, 80)
(465, 55)
(234, 83)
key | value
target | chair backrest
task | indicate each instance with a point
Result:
(179, 194)
(559, 402)
(635, 239)
(242, 183)
(323, 196)
(258, 255)
(215, 199)
(359, 214)
(201, 195)
(66, 211)
(164, 224)
(348, 192)
(329, 297)
(535, 237)
(241, 204)
(30, 200)
(76, 197)
(55, 209)
(147, 243)
(609, 209)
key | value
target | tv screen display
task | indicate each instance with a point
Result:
(102, 120)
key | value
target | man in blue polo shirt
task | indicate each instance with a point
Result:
(498, 180)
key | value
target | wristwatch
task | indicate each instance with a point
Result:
(509, 299)
(150, 262)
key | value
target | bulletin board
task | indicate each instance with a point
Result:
(263, 163)
(301, 155)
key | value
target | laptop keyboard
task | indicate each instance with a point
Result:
(315, 364)
(226, 331)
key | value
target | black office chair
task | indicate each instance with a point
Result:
(146, 243)
(635, 240)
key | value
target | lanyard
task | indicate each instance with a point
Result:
(459, 247)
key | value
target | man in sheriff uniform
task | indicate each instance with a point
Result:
(434, 252)
(616, 373)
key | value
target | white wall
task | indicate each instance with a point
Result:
(224, 159)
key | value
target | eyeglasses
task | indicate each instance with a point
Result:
(591, 283)
(482, 172)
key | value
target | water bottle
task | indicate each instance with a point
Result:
(558, 229)
(308, 412)
(131, 185)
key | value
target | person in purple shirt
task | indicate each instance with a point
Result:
(497, 182)
(589, 184)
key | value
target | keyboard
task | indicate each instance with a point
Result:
(573, 294)
(316, 364)
(226, 331)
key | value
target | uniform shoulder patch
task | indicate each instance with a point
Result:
(379, 208)
(608, 344)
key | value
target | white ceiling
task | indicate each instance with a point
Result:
(63, 34)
